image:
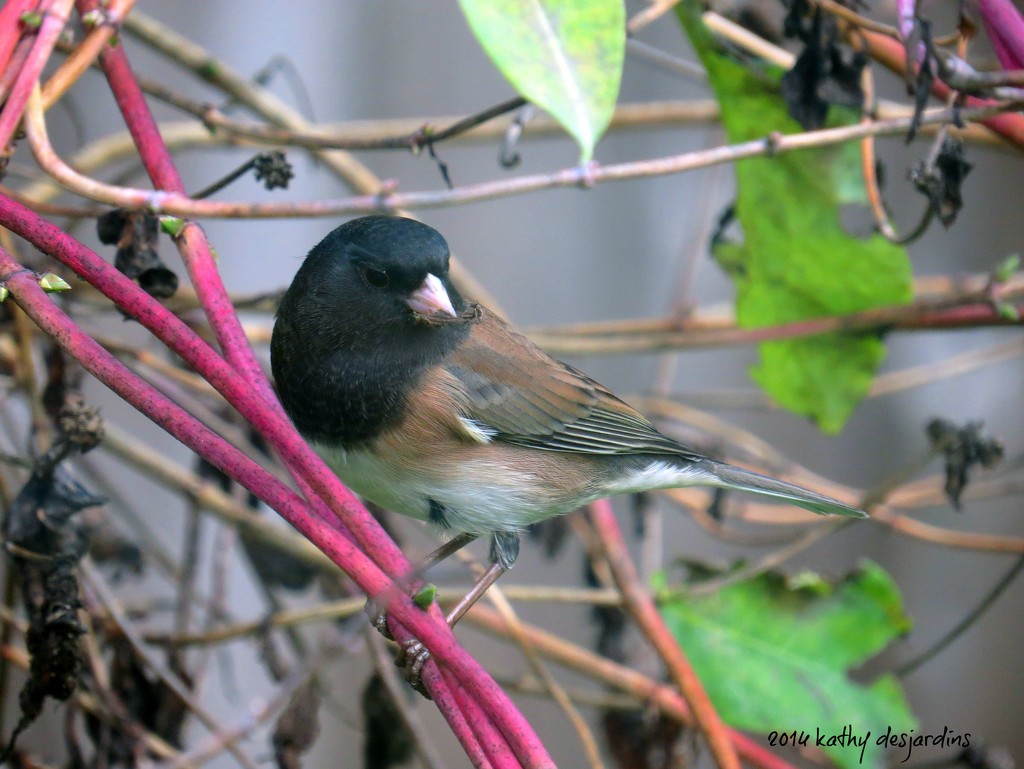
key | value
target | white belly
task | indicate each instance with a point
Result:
(504, 502)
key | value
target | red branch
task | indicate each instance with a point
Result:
(1005, 27)
(641, 607)
(486, 696)
(10, 27)
(508, 737)
(55, 16)
(316, 481)
(892, 54)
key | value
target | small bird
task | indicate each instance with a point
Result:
(436, 408)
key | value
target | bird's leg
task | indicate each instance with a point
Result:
(490, 576)
(504, 551)
(449, 548)
(378, 615)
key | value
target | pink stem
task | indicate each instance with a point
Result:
(257, 403)
(1005, 27)
(198, 258)
(183, 341)
(55, 16)
(10, 32)
(451, 703)
(179, 423)
(492, 742)
(15, 63)
(192, 243)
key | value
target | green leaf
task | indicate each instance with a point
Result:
(774, 655)
(565, 56)
(796, 261)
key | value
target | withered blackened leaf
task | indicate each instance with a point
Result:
(611, 622)
(298, 727)
(921, 88)
(795, 23)
(135, 233)
(42, 508)
(277, 567)
(51, 600)
(63, 377)
(388, 740)
(645, 739)
(821, 76)
(52, 638)
(963, 448)
(922, 92)
(45, 546)
(80, 423)
(800, 89)
(110, 225)
(110, 548)
(147, 700)
(942, 182)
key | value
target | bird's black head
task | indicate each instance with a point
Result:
(371, 303)
(371, 279)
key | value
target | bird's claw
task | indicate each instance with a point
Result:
(412, 655)
(378, 618)
(411, 658)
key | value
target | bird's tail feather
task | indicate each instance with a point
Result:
(730, 477)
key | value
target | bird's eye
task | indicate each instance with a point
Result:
(376, 278)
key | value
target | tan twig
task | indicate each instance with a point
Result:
(947, 368)
(947, 537)
(181, 135)
(961, 309)
(585, 697)
(497, 597)
(157, 467)
(640, 607)
(855, 19)
(244, 90)
(349, 607)
(104, 28)
(773, 560)
(227, 737)
(366, 132)
(888, 383)
(181, 205)
(646, 16)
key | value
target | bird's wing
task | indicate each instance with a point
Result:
(514, 392)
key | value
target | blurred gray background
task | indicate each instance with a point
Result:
(616, 251)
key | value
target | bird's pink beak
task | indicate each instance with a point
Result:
(431, 298)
